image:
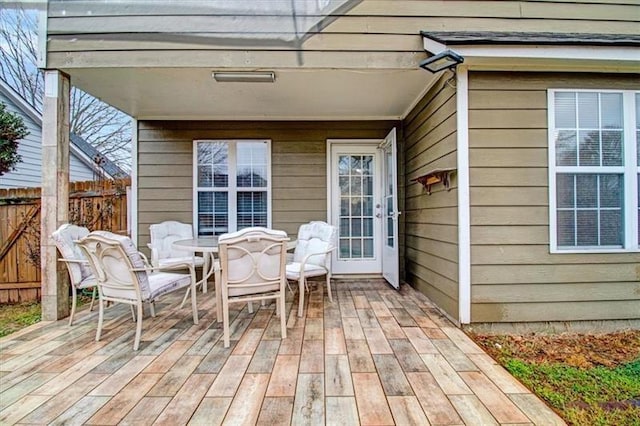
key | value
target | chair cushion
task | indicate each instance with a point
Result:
(196, 260)
(165, 282)
(163, 235)
(88, 282)
(64, 238)
(314, 237)
(310, 270)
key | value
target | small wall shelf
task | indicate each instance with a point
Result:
(435, 176)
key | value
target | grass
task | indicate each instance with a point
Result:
(17, 316)
(583, 393)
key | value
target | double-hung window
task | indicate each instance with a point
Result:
(594, 170)
(232, 185)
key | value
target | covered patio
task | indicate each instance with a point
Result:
(373, 356)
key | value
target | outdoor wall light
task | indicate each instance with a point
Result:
(244, 76)
(442, 61)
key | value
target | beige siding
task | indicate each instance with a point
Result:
(299, 191)
(378, 33)
(514, 277)
(431, 220)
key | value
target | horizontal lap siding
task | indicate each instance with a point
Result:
(298, 168)
(430, 221)
(514, 277)
(374, 33)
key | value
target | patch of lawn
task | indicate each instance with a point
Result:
(593, 396)
(587, 379)
(17, 316)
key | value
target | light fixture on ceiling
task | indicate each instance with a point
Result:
(244, 76)
(442, 61)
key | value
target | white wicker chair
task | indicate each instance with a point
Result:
(163, 254)
(123, 276)
(252, 265)
(80, 273)
(316, 240)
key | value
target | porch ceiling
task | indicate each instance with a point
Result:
(312, 94)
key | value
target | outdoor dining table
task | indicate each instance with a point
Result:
(208, 246)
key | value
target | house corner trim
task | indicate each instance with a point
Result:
(464, 219)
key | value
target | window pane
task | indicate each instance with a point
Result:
(611, 228)
(586, 191)
(213, 218)
(587, 228)
(565, 196)
(588, 117)
(251, 164)
(612, 148)
(565, 110)
(205, 176)
(611, 110)
(566, 148)
(251, 208)
(611, 191)
(589, 148)
(566, 228)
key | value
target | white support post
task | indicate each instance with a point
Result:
(55, 192)
(464, 208)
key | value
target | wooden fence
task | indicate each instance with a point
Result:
(94, 204)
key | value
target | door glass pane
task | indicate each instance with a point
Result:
(355, 182)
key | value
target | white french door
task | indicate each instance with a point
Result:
(355, 183)
(390, 252)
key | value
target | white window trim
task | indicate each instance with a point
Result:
(232, 187)
(630, 171)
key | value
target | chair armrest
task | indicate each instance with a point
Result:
(62, 259)
(171, 267)
(322, 253)
(144, 259)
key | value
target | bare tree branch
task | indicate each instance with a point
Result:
(104, 127)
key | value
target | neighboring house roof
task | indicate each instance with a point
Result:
(97, 158)
(491, 37)
(82, 149)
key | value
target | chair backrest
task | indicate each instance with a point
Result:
(252, 261)
(315, 237)
(163, 235)
(65, 238)
(113, 257)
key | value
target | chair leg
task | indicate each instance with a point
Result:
(250, 307)
(225, 323)
(136, 342)
(301, 285)
(133, 313)
(194, 305)
(100, 318)
(184, 299)
(74, 296)
(329, 287)
(152, 308)
(283, 319)
(93, 297)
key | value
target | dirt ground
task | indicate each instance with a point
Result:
(578, 350)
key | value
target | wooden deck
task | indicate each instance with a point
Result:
(373, 357)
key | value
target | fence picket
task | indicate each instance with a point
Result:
(89, 205)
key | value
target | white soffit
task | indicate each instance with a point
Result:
(191, 93)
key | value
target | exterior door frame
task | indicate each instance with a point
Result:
(373, 144)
